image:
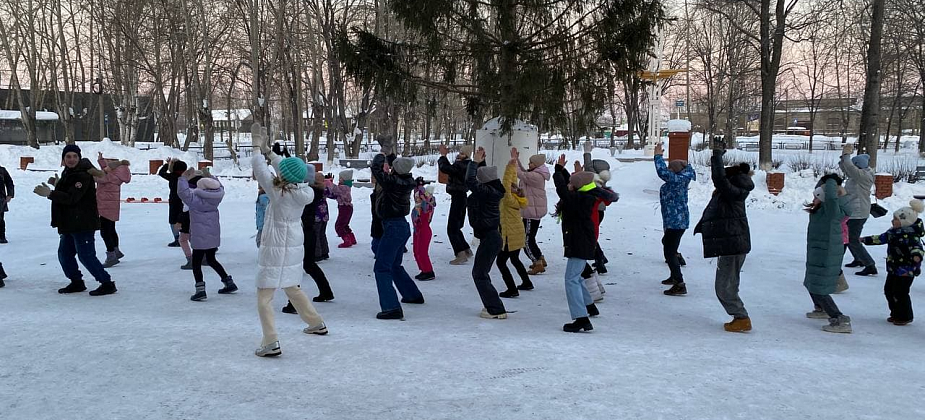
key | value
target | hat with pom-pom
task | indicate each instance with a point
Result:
(292, 170)
(861, 161)
(208, 184)
(908, 215)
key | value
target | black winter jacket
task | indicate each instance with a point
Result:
(394, 198)
(456, 172)
(375, 229)
(484, 202)
(6, 188)
(73, 202)
(308, 213)
(579, 214)
(724, 224)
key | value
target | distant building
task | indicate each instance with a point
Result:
(13, 132)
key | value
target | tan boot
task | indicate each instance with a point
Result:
(543, 260)
(738, 325)
(460, 259)
(536, 268)
(841, 284)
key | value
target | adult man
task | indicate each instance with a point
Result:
(859, 180)
(74, 213)
(456, 187)
(485, 219)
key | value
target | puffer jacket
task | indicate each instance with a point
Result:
(7, 189)
(513, 233)
(579, 214)
(205, 221)
(903, 245)
(321, 212)
(724, 224)
(279, 261)
(857, 185)
(484, 204)
(533, 182)
(673, 194)
(394, 198)
(824, 247)
(73, 202)
(109, 190)
(456, 172)
(338, 192)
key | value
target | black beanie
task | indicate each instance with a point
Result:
(71, 148)
(179, 167)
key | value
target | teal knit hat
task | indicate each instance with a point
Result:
(292, 170)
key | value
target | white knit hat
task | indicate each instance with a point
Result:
(908, 215)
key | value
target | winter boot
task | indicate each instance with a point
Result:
(3, 239)
(174, 244)
(582, 323)
(670, 281)
(188, 265)
(867, 271)
(418, 301)
(537, 268)
(486, 315)
(2, 272)
(509, 293)
(106, 288)
(392, 314)
(317, 330)
(461, 258)
(526, 285)
(346, 243)
(841, 284)
(230, 287)
(111, 259)
(899, 323)
(468, 252)
(681, 260)
(679, 289)
(853, 264)
(738, 325)
(289, 309)
(842, 324)
(592, 310)
(600, 285)
(200, 292)
(269, 350)
(817, 313)
(76, 286)
(323, 297)
(426, 276)
(119, 254)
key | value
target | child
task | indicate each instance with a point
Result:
(824, 253)
(578, 208)
(341, 193)
(677, 175)
(321, 220)
(6, 194)
(513, 234)
(171, 171)
(533, 183)
(262, 201)
(184, 224)
(278, 261)
(484, 208)
(108, 201)
(903, 259)
(205, 229)
(421, 216)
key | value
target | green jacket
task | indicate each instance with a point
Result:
(824, 246)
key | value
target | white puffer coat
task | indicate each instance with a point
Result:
(279, 261)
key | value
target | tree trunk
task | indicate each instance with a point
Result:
(868, 138)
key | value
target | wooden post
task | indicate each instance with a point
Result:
(884, 185)
(154, 166)
(24, 162)
(775, 182)
(204, 164)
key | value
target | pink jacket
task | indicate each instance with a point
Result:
(534, 186)
(109, 190)
(340, 192)
(844, 230)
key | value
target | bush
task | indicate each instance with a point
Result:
(901, 167)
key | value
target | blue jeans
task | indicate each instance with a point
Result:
(575, 290)
(388, 266)
(374, 246)
(82, 246)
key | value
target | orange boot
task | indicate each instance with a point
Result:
(738, 325)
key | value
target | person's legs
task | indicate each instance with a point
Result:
(728, 268)
(827, 304)
(855, 227)
(108, 233)
(519, 266)
(455, 222)
(67, 257)
(406, 287)
(213, 262)
(671, 241)
(485, 256)
(265, 311)
(185, 245)
(86, 252)
(421, 243)
(342, 224)
(305, 309)
(903, 303)
(198, 255)
(532, 249)
(574, 288)
(503, 256)
(2, 223)
(390, 251)
(889, 291)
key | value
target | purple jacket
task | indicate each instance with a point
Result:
(205, 226)
(341, 193)
(321, 214)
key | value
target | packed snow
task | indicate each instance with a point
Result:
(147, 352)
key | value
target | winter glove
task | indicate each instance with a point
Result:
(259, 138)
(206, 173)
(386, 144)
(588, 146)
(43, 190)
(53, 180)
(847, 149)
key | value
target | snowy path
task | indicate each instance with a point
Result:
(150, 353)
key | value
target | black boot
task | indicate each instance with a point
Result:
(592, 310)
(582, 323)
(868, 271)
(289, 309)
(230, 287)
(670, 281)
(426, 276)
(2, 272)
(323, 297)
(76, 286)
(678, 289)
(3, 239)
(509, 293)
(200, 294)
(854, 264)
(393, 314)
(106, 288)
(526, 285)
(174, 244)
(419, 301)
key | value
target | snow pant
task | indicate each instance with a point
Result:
(514, 256)
(265, 310)
(826, 303)
(310, 265)
(388, 268)
(342, 224)
(532, 249)
(671, 240)
(575, 291)
(209, 256)
(860, 254)
(455, 222)
(321, 240)
(108, 233)
(896, 290)
(421, 247)
(80, 245)
(489, 247)
(728, 271)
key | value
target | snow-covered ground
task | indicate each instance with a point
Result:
(149, 353)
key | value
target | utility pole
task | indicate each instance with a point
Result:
(687, 56)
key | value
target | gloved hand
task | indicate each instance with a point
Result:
(43, 190)
(847, 149)
(53, 180)
(259, 138)
(189, 174)
(588, 146)
(719, 146)
(386, 144)
(206, 173)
